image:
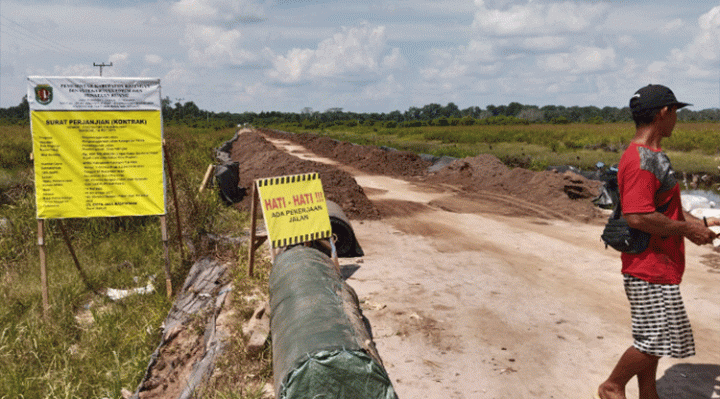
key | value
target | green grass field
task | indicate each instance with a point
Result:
(693, 147)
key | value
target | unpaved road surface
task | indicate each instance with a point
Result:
(467, 301)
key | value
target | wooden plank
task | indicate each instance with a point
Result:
(206, 179)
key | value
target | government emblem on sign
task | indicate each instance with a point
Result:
(43, 94)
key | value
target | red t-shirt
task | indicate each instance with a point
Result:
(647, 181)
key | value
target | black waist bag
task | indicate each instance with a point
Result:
(620, 236)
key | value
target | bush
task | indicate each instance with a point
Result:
(415, 123)
(310, 125)
(467, 121)
(503, 120)
(391, 124)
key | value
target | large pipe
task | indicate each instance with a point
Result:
(346, 243)
(322, 345)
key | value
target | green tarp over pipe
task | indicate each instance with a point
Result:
(322, 346)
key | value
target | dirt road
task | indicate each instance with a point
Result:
(467, 302)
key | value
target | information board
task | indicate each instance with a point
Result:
(97, 146)
(294, 209)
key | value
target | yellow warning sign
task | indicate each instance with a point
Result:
(98, 163)
(294, 209)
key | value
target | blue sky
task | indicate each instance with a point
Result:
(370, 55)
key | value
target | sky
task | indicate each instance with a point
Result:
(370, 55)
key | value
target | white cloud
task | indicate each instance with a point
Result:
(479, 56)
(627, 41)
(384, 90)
(256, 93)
(218, 10)
(710, 20)
(656, 68)
(594, 59)
(120, 58)
(538, 18)
(452, 71)
(563, 85)
(153, 59)
(580, 60)
(697, 60)
(630, 67)
(292, 67)
(675, 24)
(75, 70)
(479, 51)
(544, 43)
(706, 45)
(195, 9)
(120, 66)
(394, 60)
(178, 75)
(211, 46)
(555, 62)
(356, 50)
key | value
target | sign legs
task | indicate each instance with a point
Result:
(166, 252)
(255, 240)
(43, 267)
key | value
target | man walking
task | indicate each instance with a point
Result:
(650, 196)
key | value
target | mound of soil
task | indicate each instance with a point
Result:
(567, 193)
(563, 193)
(370, 159)
(259, 159)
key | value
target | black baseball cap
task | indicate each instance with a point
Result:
(654, 97)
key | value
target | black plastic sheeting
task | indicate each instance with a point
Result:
(227, 176)
(321, 343)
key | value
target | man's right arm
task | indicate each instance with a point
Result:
(659, 224)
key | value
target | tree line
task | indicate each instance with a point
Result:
(190, 114)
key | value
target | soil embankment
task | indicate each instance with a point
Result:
(483, 179)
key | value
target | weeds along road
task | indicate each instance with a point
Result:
(466, 302)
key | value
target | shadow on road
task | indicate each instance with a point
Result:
(690, 381)
(346, 271)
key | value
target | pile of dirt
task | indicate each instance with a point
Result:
(370, 159)
(562, 193)
(259, 159)
(567, 193)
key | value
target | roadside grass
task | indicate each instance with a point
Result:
(240, 374)
(91, 346)
(694, 147)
